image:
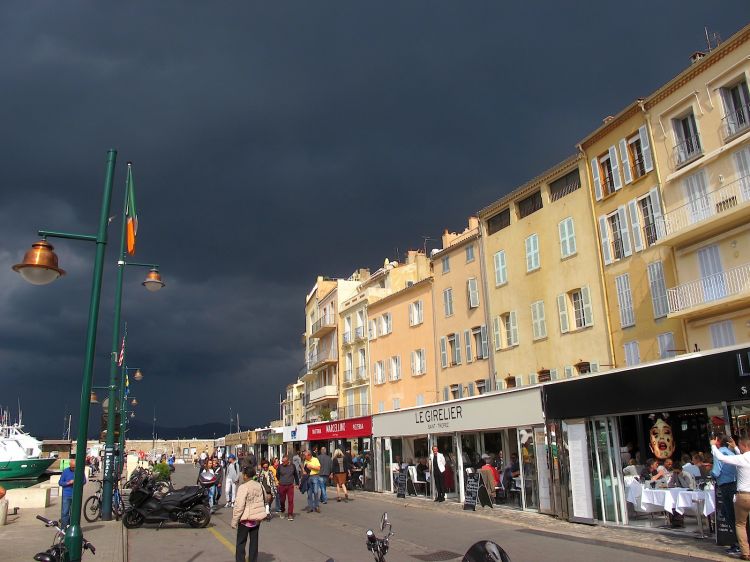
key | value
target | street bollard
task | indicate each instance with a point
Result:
(3, 511)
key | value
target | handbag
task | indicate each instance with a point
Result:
(303, 483)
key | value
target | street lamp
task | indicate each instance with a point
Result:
(39, 267)
(138, 375)
(153, 280)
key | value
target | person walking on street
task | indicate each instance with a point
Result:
(726, 479)
(288, 477)
(741, 460)
(268, 481)
(312, 468)
(67, 478)
(438, 468)
(249, 510)
(325, 473)
(341, 472)
(207, 472)
(232, 480)
(219, 472)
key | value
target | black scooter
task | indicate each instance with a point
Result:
(186, 505)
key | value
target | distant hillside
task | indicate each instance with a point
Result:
(144, 430)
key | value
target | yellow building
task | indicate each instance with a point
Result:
(700, 123)
(461, 335)
(354, 396)
(637, 268)
(294, 403)
(544, 290)
(401, 346)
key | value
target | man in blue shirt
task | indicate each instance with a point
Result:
(726, 479)
(66, 482)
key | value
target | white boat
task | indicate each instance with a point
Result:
(19, 454)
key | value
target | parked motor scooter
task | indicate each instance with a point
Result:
(186, 505)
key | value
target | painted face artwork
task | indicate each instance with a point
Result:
(661, 440)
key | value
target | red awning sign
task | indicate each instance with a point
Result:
(343, 429)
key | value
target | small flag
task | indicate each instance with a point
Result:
(127, 384)
(121, 358)
(130, 212)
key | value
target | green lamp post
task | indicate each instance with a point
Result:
(40, 267)
(138, 375)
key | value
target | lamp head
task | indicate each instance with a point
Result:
(132, 415)
(39, 265)
(134, 402)
(93, 398)
(153, 281)
(138, 375)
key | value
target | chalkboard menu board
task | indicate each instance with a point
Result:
(401, 485)
(472, 491)
(725, 535)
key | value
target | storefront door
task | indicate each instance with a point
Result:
(609, 499)
(447, 445)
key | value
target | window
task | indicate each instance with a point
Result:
(419, 401)
(373, 329)
(482, 386)
(632, 353)
(666, 345)
(737, 108)
(615, 238)
(448, 302)
(659, 300)
(479, 335)
(501, 272)
(510, 328)
(498, 222)
(470, 253)
(416, 313)
(396, 403)
(386, 325)
(456, 391)
(625, 300)
(537, 320)
(444, 352)
(530, 204)
(565, 185)
(379, 372)
(348, 329)
(473, 292)
(606, 173)
(454, 347)
(568, 371)
(362, 365)
(742, 162)
(395, 368)
(579, 301)
(722, 333)
(348, 367)
(446, 264)
(567, 237)
(647, 221)
(381, 406)
(496, 333)
(687, 146)
(532, 253)
(418, 362)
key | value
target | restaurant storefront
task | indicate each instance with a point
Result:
(294, 438)
(353, 434)
(664, 410)
(261, 444)
(242, 442)
(276, 443)
(508, 427)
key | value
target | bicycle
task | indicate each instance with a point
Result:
(92, 509)
(58, 552)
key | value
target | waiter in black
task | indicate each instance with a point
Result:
(438, 468)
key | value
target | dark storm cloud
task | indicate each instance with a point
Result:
(273, 142)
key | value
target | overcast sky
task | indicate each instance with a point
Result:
(272, 142)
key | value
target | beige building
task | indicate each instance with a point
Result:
(544, 291)
(461, 334)
(293, 404)
(637, 268)
(700, 122)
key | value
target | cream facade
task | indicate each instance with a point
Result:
(637, 268)
(293, 404)
(545, 297)
(461, 333)
(402, 355)
(700, 123)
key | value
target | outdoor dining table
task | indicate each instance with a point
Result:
(678, 500)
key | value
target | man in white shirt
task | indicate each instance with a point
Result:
(742, 499)
(438, 468)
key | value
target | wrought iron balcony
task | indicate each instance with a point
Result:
(354, 411)
(324, 325)
(730, 283)
(736, 122)
(687, 150)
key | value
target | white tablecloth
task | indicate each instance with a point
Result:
(678, 500)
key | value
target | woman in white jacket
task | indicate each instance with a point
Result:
(249, 510)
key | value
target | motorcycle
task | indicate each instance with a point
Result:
(482, 551)
(186, 505)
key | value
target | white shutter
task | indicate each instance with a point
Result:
(534, 322)
(625, 161)
(444, 352)
(553, 374)
(483, 337)
(624, 231)
(501, 274)
(742, 161)
(413, 363)
(659, 224)
(513, 327)
(562, 307)
(458, 348)
(471, 388)
(496, 333)
(535, 245)
(568, 371)
(398, 367)
(588, 314)
(594, 367)
(446, 394)
(648, 161)
(635, 220)
(604, 236)
(411, 314)
(542, 320)
(473, 293)
(617, 182)
(597, 180)
(519, 381)
(563, 230)
(529, 254)
(467, 341)
(571, 236)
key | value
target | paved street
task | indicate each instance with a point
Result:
(422, 531)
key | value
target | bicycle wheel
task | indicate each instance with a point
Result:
(92, 509)
(118, 506)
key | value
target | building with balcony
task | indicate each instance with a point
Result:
(545, 296)
(637, 268)
(322, 343)
(701, 147)
(294, 403)
(461, 330)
